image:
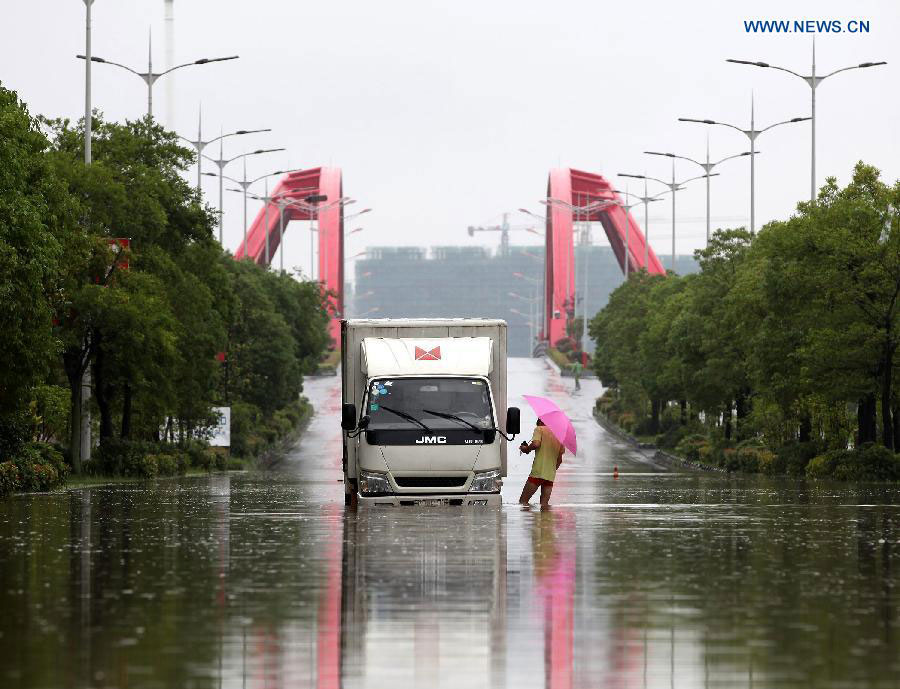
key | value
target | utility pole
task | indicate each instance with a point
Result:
(81, 442)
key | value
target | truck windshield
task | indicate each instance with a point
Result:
(432, 401)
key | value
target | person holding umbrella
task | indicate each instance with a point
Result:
(548, 452)
(552, 436)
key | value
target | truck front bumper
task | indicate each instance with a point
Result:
(474, 499)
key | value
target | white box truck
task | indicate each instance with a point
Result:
(424, 411)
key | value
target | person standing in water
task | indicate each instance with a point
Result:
(548, 452)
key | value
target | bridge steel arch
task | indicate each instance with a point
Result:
(324, 181)
(580, 189)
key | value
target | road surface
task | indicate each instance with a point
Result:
(658, 578)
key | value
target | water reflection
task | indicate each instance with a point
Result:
(245, 581)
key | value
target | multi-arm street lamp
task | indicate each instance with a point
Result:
(752, 135)
(356, 215)
(245, 184)
(199, 144)
(646, 200)
(279, 200)
(812, 81)
(150, 77)
(222, 163)
(673, 187)
(707, 168)
(310, 204)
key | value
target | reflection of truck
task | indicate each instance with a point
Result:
(424, 411)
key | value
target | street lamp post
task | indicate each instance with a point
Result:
(752, 135)
(646, 200)
(150, 77)
(538, 298)
(813, 82)
(532, 308)
(707, 168)
(222, 163)
(277, 200)
(88, 124)
(245, 184)
(200, 144)
(673, 187)
(81, 450)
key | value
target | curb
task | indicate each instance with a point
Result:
(659, 455)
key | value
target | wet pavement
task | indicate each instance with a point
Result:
(659, 578)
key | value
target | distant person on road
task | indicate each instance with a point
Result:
(548, 452)
(576, 369)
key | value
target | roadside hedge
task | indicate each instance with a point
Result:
(870, 462)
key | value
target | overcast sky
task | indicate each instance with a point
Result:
(445, 114)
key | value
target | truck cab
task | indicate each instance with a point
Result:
(425, 417)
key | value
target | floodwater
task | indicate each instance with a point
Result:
(659, 578)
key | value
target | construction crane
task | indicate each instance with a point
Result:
(505, 228)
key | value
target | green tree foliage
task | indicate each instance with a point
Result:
(150, 320)
(33, 210)
(779, 334)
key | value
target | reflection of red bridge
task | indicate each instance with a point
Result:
(568, 192)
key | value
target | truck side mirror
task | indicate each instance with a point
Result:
(348, 416)
(513, 423)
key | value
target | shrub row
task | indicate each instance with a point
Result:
(116, 457)
(252, 434)
(38, 467)
(870, 462)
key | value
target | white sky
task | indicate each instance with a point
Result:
(444, 115)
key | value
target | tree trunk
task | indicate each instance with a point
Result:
(887, 426)
(683, 405)
(895, 416)
(73, 358)
(75, 425)
(740, 410)
(101, 394)
(126, 412)
(726, 420)
(865, 419)
(654, 414)
(805, 427)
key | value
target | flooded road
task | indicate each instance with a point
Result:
(656, 579)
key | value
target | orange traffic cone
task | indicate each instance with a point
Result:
(615, 472)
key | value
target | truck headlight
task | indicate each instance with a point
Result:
(486, 482)
(373, 482)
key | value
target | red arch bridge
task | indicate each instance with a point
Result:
(573, 196)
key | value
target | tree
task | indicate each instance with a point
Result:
(842, 253)
(34, 211)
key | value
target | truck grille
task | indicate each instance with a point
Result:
(431, 481)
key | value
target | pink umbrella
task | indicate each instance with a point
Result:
(555, 419)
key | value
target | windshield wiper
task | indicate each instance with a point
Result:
(408, 417)
(453, 417)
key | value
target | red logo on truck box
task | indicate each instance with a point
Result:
(430, 355)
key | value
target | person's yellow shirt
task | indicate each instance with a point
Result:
(544, 465)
